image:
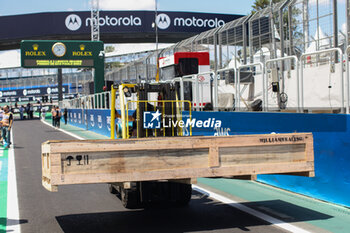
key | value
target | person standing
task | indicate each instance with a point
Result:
(53, 114)
(1, 116)
(28, 110)
(58, 117)
(7, 121)
(21, 111)
(43, 114)
(65, 115)
(39, 110)
(31, 110)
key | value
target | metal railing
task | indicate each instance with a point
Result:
(295, 59)
(259, 64)
(340, 53)
(94, 101)
(347, 82)
(216, 84)
(103, 100)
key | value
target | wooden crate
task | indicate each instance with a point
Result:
(111, 161)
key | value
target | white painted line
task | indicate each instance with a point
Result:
(64, 131)
(228, 201)
(12, 197)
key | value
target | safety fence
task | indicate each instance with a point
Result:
(287, 28)
(290, 90)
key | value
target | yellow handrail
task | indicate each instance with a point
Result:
(113, 95)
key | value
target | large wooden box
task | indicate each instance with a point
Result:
(111, 161)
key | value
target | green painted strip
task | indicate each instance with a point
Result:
(284, 205)
(3, 194)
(79, 131)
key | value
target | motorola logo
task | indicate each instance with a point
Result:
(73, 22)
(48, 90)
(0, 93)
(163, 21)
(25, 92)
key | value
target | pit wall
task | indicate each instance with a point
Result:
(331, 144)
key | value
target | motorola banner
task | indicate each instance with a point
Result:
(66, 23)
(39, 91)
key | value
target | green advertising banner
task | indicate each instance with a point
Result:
(65, 54)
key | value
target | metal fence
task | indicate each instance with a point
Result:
(288, 28)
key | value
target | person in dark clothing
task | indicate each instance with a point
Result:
(65, 116)
(28, 110)
(39, 110)
(58, 117)
(31, 111)
(21, 111)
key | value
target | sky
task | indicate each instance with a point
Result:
(12, 7)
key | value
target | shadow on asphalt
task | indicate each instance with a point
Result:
(12, 222)
(202, 214)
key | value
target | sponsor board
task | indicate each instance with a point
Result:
(33, 91)
(117, 22)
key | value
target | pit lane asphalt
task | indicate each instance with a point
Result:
(91, 208)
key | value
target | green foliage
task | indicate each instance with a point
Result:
(261, 4)
(109, 49)
(112, 65)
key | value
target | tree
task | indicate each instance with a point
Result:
(111, 65)
(109, 49)
(261, 4)
(258, 5)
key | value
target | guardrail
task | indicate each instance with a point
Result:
(297, 79)
(302, 74)
(261, 65)
(103, 100)
(347, 82)
(95, 101)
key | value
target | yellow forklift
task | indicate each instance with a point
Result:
(159, 103)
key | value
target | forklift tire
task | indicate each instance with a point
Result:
(130, 198)
(185, 194)
(112, 190)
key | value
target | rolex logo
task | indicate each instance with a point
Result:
(82, 47)
(35, 47)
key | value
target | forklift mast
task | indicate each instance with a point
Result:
(165, 91)
(153, 98)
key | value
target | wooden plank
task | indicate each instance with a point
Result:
(112, 161)
(238, 170)
(132, 161)
(47, 185)
(266, 154)
(172, 143)
(214, 158)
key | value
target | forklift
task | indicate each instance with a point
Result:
(151, 98)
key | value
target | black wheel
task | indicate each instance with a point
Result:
(184, 195)
(130, 198)
(112, 190)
